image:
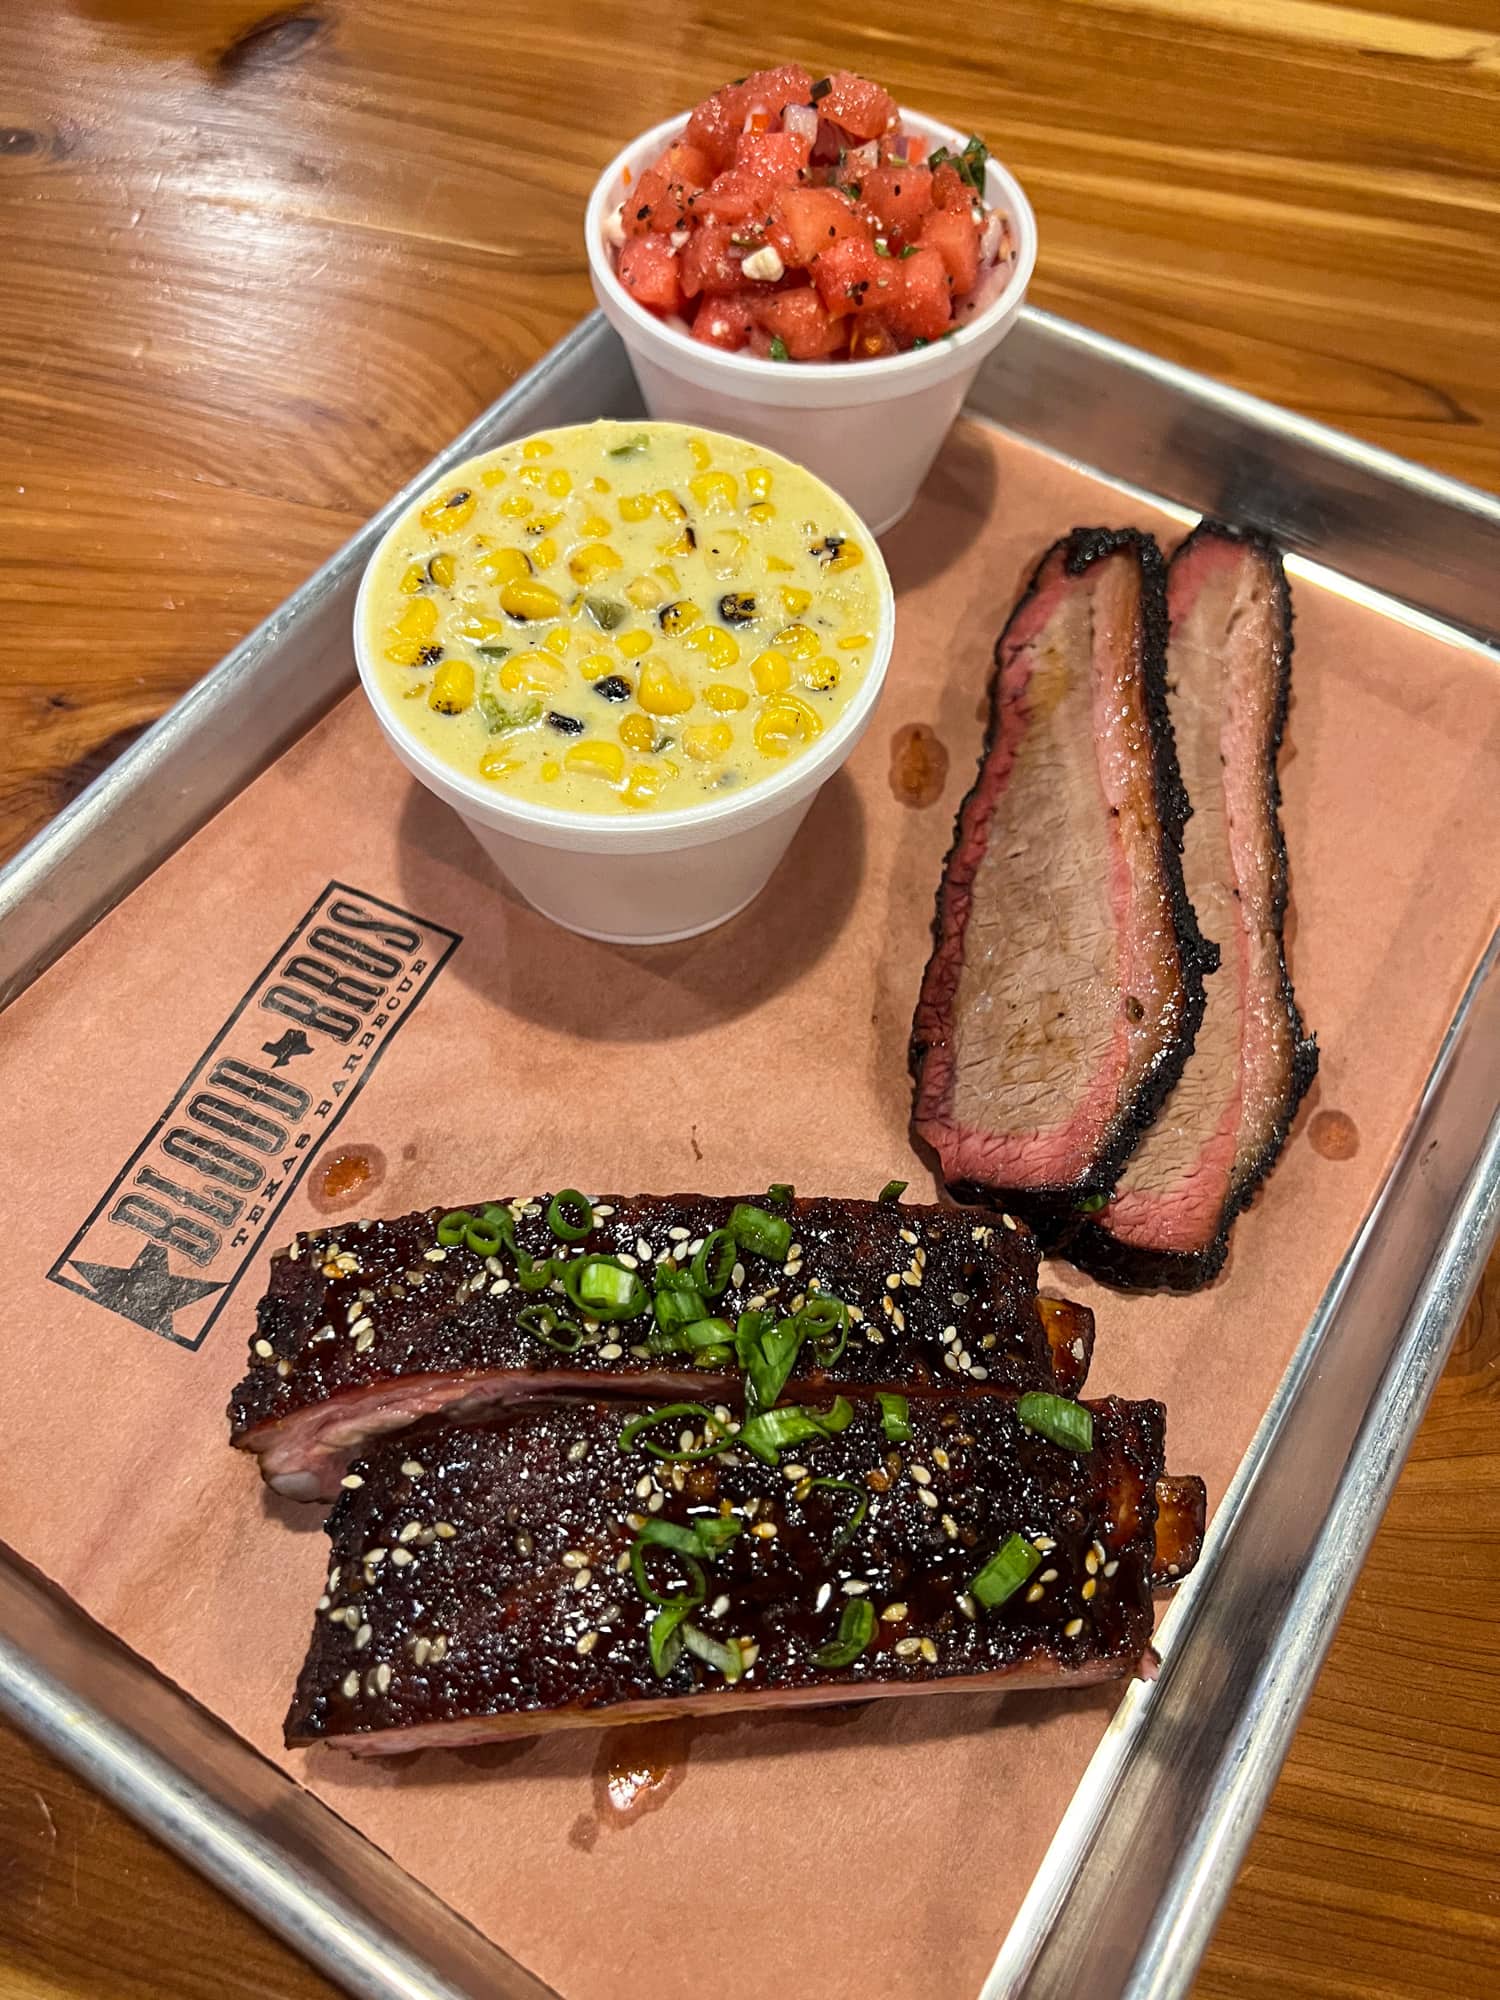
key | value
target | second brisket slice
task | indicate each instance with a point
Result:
(1066, 980)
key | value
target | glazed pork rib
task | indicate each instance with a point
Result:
(1066, 981)
(499, 1581)
(376, 1327)
(1218, 1134)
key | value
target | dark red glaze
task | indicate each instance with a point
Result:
(399, 1337)
(515, 1534)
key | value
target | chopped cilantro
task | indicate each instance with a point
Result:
(969, 164)
(910, 250)
(778, 348)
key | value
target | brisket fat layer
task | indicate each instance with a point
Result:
(373, 1327)
(1218, 1134)
(481, 1584)
(1066, 981)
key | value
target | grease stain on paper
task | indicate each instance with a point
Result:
(346, 1176)
(919, 765)
(1333, 1134)
(637, 1771)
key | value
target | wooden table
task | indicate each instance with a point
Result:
(255, 267)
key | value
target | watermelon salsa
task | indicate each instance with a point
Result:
(793, 218)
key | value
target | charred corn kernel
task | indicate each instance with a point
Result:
(558, 641)
(595, 527)
(680, 545)
(708, 741)
(782, 722)
(669, 506)
(661, 692)
(794, 602)
(726, 698)
(645, 591)
(551, 770)
(517, 505)
(636, 733)
(635, 506)
(559, 482)
(597, 760)
(645, 784)
(540, 523)
(494, 477)
(665, 573)
(531, 475)
(599, 484)
(413, 579)
(505, 565)
(530, 673)
(703, 458)
(536, 448)
(763, 511)
(850, 556)
(852, 641)
(527, 599)
(417, 621)
(498, 764)
(545, 552)
(442, 569)
(594, 665)
(721, 649)
(452, 687)
(771, 673)
(797, 640)
(449, 510)
(408, 653)
(821, 674)
(715, 492)
(724, 550)
(679, 617)
(474, 625)
(586, 565)
(633, 644)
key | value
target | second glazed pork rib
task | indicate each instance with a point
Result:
(1066, 982)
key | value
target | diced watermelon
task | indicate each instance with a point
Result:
(921, 305)
(950, 189)
(871, 337)
(898, 198)
(860, 107)
(736, 198)
(707, 265)
(654, 203)
(714, 127)
(768, 92)
(723, 323)
(812, 219)
(954, 234)
(688, 165)
(773, 156)
(848, 272)
(798, 320)
(648, 271)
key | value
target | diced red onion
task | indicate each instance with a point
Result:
(801, 120)
(864, 159)
(991, 237)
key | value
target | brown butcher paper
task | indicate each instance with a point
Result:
(329, 983)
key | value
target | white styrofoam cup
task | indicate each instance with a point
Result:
(871, 429)
(654, 877)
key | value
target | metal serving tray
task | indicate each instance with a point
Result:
(1128, 1894)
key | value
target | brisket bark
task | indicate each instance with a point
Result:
(1066, 981)
(1218, 1134)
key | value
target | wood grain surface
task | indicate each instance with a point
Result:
(257, 266)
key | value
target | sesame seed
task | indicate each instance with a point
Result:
(904, 1648)
(420, 1649)
(749, 1655)
(1048, 1576)
(950, 1362)
(893, 1281)
(927, 1497)
(578, 1452)
(766, 1530)
(1043, 1542)
(351, 1481)
(401, 1557)
(609, 1614)
(524, 1544)
(1009, 1221)
(413, 1468)
(950, 1334)
(611, 1351)
(439, 1648)
(721, 1413)
(583, 1579)
(658, 1500)
(574, 1559)
(979, 1374)
(361, 1638)
(1110, 1568)
(950, 1527)
(587, 1643)
(721, 1604)
(894, 1613)
(908, 1236)
(899, 1318)
(264, 1349)
(438, 1256)
(1091, 1562)
(678, 1234)
(445, 1531)
(284, 1369)
(756, 1302)
(685, 1441)
(643, 1249)
(603, 1211)
(350, 1685)
(630, 1263)
(333, 1576)
(410, 1532)
(920, 1473)
(1035, 1594)
(695, 1246)
(737, 1276)
(1089, 1588)
(383, 1676)
(825, 1591)
(324, 1601)
(963, 1357)
(929, 1651)
(791, 1269)
(1072, 1629)
(792, 1473)
(374, 1557)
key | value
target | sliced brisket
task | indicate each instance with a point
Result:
(482, 1584)
(374, 1327)
(1066, 982)
(1219, 1132)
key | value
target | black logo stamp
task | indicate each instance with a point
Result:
(196, 1199)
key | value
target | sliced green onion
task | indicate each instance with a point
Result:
(485, 1235)
(851, 1526)
(700, 1333)
(747, 1333)
(768, 1433)
(1005, 1572)
(666, 1640)
(780, 1192)
(452, 1227)
(713, 1357)
(893, 1417)
(534, 1274)
(715, 1531)
(713, 1264)
(603, 1288)
(893, 1190)
(771, 1361)
(754, 1229)
(856, 1630)
(698, 1582)
(673, 1413)
(630, 447)
(729, 1660)
(545, 1324)
(703, 1537)
(570, 1215)
(1069, 1424)
(824, 1320)
(678, 1303)
(1092, 1203)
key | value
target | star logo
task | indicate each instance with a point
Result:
(146, 1291)
(292, 1043)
